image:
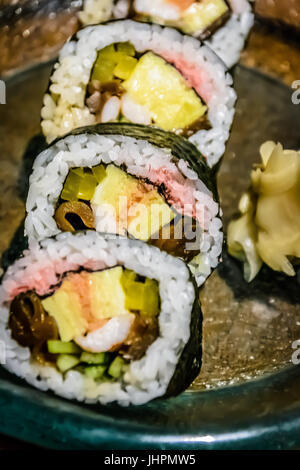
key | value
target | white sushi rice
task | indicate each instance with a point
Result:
(51, 168)
(145, 379)
(227, 42)
(64, 105)
(98, 11)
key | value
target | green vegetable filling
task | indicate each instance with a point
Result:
(93, 365)
(116, 368)
(95, 372)
(107, 293)
(66, 362)
(62, 347)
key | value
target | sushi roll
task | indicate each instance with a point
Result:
(133, 181)
(126, 71)
(101, 319)
(223, 24)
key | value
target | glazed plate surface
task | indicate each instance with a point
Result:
(248, 392)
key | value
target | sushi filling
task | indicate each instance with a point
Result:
(109, 200)
(93, 322)
(198, 18)
(126, 86)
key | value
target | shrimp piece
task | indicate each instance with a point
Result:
(109, 337)
(181, 4)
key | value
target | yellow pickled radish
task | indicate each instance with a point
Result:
(135, 292)
(79, 185)
(87, 187)
(126, 48)
(114, 60)
(141, 296)
(103, 70)
(71, 187)
(128, 275)
(99, 172)
(151, 298)
(125, 67)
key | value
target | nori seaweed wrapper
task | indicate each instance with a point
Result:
(15, 250)
(190, 361)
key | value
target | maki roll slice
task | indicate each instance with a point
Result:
(133, 181)
(133, 72)
(101, 319)
(223, 24)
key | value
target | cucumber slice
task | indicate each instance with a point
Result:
(115, 369)
(94, 358)
(95, 372)
(63, 347)
(66, 362)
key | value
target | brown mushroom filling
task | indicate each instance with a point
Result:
(74, 215)
(31, 326)
(179, 238)
(143, 333)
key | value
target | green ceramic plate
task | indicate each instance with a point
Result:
(248, 392)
